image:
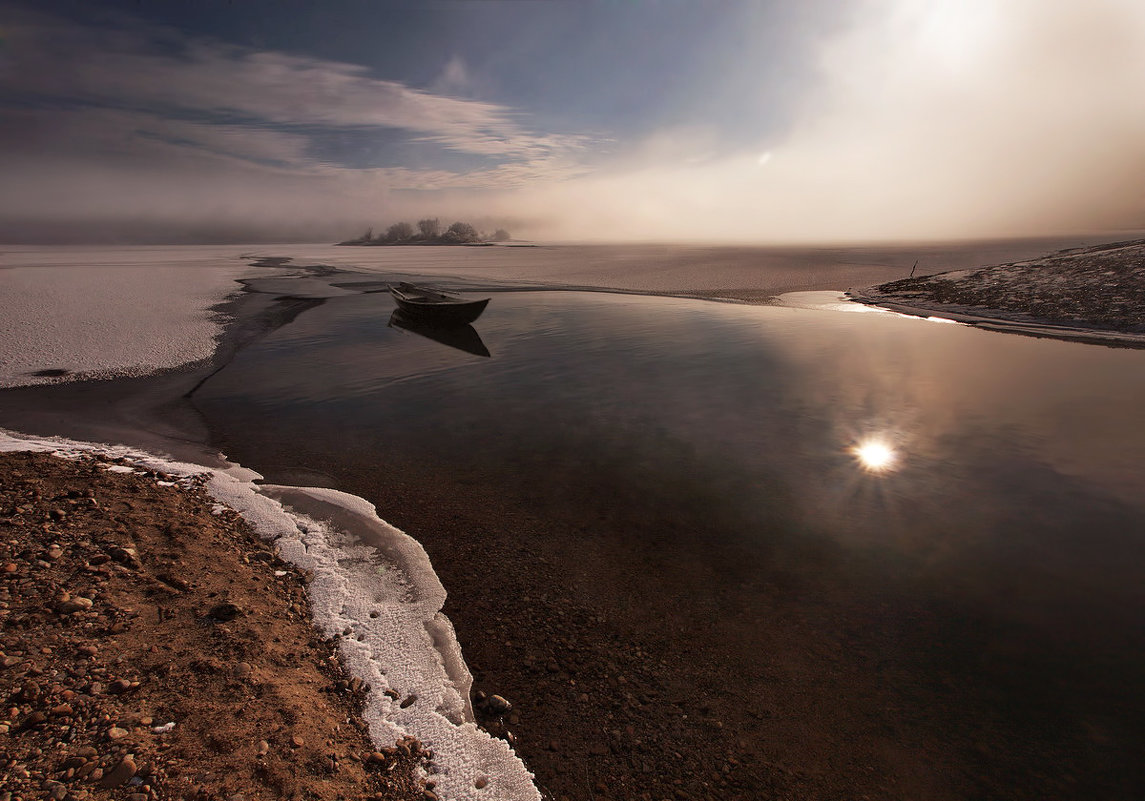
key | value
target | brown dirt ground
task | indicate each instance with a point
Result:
(126, 605)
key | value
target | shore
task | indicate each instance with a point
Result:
(155, 648)
(1091, 294)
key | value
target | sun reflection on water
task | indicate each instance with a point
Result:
(875, 455)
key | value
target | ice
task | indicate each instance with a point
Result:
(86, 311)
(361, 566)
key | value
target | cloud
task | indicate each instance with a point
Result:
(930, 119)
(926, 119)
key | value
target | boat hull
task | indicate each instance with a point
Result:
(445, 313)
(435, 308)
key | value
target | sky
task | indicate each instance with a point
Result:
(572, 120)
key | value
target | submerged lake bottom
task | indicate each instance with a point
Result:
(711, 550)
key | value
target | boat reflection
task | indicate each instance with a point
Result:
(464, 337)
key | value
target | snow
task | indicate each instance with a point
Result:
(376, 582)
(101, 312)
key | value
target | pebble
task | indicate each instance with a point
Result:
(297, 741)
(263, 748)
(496, 705)
(242, 670)
(120, 774)
(408, 702)
(116, 733)
(481, 782)
(77, 604)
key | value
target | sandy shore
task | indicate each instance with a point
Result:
(155, 648)
(1094, 294)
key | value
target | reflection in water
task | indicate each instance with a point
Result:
(462, 337)
(875, 455)
(885, 538)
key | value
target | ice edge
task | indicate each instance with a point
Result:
(374, 589)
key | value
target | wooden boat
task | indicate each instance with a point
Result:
(431, 307)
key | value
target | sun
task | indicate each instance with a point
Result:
(875, 455)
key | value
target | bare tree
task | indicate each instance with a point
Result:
(430, 229)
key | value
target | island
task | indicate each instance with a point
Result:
(428, 232)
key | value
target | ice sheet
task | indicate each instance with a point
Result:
(101, 312)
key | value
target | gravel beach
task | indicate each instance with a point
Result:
(155, 648)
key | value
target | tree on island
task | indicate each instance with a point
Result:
(461, 232)
(428, 233)
(399, 232)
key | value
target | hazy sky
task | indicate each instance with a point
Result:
(668, 120)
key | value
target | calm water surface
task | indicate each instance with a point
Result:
(1012, 511)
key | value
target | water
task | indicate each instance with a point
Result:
(968, 620)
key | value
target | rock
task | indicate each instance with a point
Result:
(297, 741)
(263, 748)
(62, 711)
(481, 782)
(408, 702)
(87, 650)
(125, 556)
(33, 720)
(242, 670)
(119, 686)
(120, 774)
(54, 553)
(224, 612)
(77, 604)
(116, 733)
(496, 705)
